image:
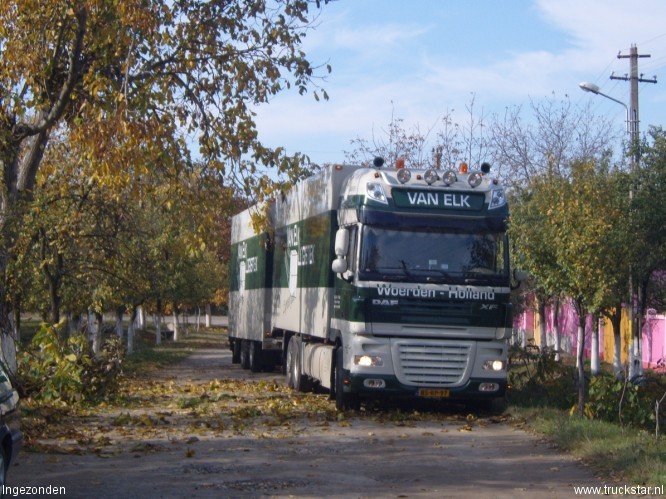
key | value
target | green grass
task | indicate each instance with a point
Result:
(149, 356)
(617, 453)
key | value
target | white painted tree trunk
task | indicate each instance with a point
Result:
(175, 325)
(120, 311)
(92, 326)
(208, 315)
(594, 360)
(617, 355)
(157, 319)
(140, 318)
(556, 328)
(581, 345)
(97, 335)
(130, 332)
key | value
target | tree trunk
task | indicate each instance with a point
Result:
(16, 323)
(141, 318)
(580, 364)
(541, 340)
(130, 332)
(594, 359)
(92, 327)
(54, 298)
(208, 314)
(97, 337)
(157, 318)
(616, 322)
(175, 323)
(120, 312)
(556, 327)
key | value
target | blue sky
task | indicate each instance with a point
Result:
(421, 59)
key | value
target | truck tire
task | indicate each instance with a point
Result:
(255, 357)
(289, 361)
(299, 381)
(235, 351)
(245, 354)
(343, 401)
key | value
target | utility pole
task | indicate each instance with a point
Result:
(634, 79)
(636, 306)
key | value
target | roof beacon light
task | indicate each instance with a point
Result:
(399, 163)
(463, 168)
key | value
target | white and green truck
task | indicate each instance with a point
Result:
(375, 281)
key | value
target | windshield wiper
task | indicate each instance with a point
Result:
(394, 277)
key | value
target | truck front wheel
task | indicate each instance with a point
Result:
(343, 401)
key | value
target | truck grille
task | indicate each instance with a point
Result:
(431, 363)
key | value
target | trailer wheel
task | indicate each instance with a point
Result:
(255, 355)
(245, 354)
(343, 401)
(298, 380)
(235, 351)
(289, 361)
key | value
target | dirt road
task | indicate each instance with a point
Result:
(201, 429)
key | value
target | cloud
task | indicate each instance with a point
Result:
(401, 60)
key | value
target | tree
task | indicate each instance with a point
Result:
(556, 135)
(138, 83)
(647, 219)
(565, 233)
(442, 146)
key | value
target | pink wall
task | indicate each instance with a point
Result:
(654, 336)
(653, 339)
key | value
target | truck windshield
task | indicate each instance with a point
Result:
(433, 256)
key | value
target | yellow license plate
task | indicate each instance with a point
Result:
(433, 393)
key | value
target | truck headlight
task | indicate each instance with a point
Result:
(375, 191)
(368, 360)
(493, 365)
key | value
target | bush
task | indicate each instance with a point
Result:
(58, 368)
(536, 378)
(612, 399)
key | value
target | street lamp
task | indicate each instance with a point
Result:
(591, 87)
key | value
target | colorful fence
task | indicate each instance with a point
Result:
(526, 328)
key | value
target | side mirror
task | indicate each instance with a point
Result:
(339, 265)
(341, 242)
(520, 276)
